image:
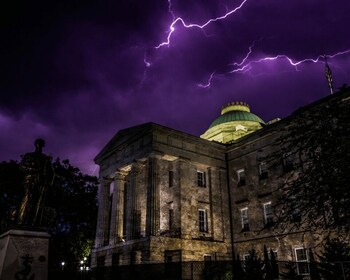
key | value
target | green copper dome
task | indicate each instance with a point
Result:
(236, 116)
(235, 121)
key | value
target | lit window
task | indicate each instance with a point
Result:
(171, 179)
(201, 179)
(241, 177)
(244, 218)
(268, 217)
(301, 258)
(203, 220)
(263, 173)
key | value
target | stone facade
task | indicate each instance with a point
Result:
(155, 183)
(168, 196)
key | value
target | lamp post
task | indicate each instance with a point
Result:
(83, 267)
(62, 265)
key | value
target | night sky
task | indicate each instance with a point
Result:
(75, 72)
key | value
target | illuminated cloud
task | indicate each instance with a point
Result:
(76, 72)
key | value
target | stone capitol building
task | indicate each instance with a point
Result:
(168, 196)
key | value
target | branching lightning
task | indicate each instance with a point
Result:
(208, 83)
(193, 25)
(247, 65)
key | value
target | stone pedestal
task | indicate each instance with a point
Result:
(24, 255)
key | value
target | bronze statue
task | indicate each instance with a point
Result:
(38, 176)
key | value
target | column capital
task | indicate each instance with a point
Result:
(120, 175)
(155, 155)
(105, 180)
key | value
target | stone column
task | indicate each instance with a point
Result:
(131, 196)
(102, 217)
(116, 232)
(135, 181)
(153, 203)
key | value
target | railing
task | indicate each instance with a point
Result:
(210, 270)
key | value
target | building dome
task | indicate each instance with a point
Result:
(235, 121)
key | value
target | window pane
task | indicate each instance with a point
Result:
(302, 261)
(268, 213)
(202, 220)
(301, 254)
(244, 217)
(200, 178)
(263, 173)
(241, 177)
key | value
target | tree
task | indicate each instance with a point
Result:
(11, 192)
(314, 270)
(267, 265)
(274, 265)
(253, 266)
(290, 273)
(315, 150)
(335, 255)
(237, 268)
(70, 209)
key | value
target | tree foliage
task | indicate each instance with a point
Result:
(315, 143)
(253, 266)
(290, 272)
(335, 260)
(70, 209)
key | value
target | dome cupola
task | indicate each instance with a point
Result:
(235, 121)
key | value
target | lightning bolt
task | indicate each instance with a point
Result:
(208, 84)
(145, 61)
(245, 66)
(193, 25)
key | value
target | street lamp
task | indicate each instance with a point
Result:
(83, 266)
(62, 265)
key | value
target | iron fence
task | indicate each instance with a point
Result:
(212, 270)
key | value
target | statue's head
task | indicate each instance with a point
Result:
(39, 145)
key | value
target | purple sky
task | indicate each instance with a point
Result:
(76, 72)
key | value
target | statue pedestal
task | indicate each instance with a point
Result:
(24, 254)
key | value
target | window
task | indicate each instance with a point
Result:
(245, 221)
(171, 219)
(171, 179)
(203, 220)
(295, 206)
(241, 177)
(288, 162)
(301, 258)
(268, 217)
(201, 179)
(263, 173)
